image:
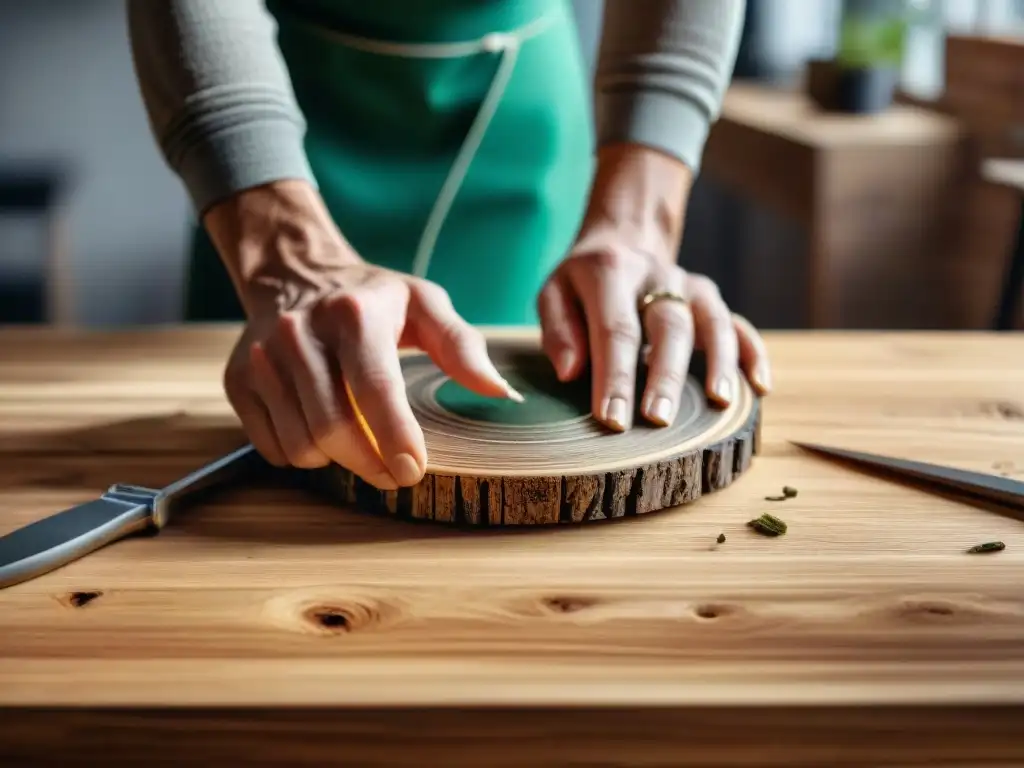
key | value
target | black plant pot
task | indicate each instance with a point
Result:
(866, 90)
(854, 90)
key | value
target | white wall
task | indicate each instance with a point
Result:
(67, 91)
(795, 30)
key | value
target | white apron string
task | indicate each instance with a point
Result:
(505, 44)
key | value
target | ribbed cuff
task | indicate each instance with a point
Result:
(240, 157)
(663, 121)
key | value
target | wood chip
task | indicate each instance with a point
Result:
(989, 546)
(768, 525)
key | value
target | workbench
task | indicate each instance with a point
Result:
(269, 628)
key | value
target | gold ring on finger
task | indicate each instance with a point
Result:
(653, 296)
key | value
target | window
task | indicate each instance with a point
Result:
(794, 30)
(924, 62)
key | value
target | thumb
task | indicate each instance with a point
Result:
(458, 349)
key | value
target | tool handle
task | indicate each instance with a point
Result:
(57, 540)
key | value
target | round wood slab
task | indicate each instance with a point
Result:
(499, 463)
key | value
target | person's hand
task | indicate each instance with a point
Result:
(590, 307)
(322, 322)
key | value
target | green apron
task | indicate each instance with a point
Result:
(439, 151)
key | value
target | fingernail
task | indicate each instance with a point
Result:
(384, 481)
(723, 389)
(513, 393)
(616, 415)
(405, 469)
(510, 392)
(661, 410)
(564, 363)
(763, 378)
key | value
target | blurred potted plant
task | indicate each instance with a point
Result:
(863, 75)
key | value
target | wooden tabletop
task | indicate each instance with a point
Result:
(270, 626)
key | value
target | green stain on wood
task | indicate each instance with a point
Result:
(547, 399)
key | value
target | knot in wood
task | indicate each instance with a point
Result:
(342, 617)
(566, 604)
(81, 599)
(709, 611)
(1006, 410)
(927, 608)
(332, 618)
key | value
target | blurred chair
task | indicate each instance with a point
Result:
(1010, 174)
(34, 288)
(985, 92)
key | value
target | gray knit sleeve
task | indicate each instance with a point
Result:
(221, 105)
(662, 70)
(217, 93)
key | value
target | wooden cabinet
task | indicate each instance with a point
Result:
(880, 201)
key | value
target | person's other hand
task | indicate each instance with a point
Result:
(590, 305)
(320, 322)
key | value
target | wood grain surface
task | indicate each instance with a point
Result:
(269, 628)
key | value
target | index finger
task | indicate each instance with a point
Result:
(458, 349)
